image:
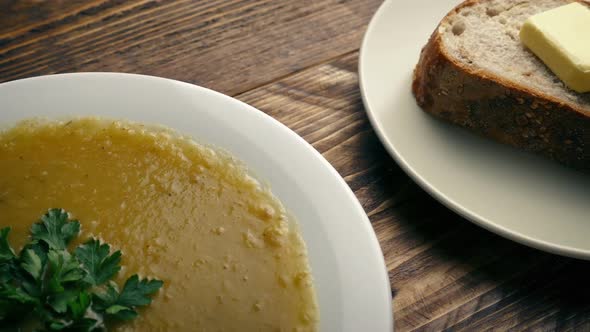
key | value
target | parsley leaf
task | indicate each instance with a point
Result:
(11, 293)
(58, 325)
(6, 252)
(65, 291)
(14, 300)
(55, 229)
(31, 269)
(136, 291)
(79, 305)
(120, 312)
(64, 268)
(31, 263)
(96, 261)
(6, 272)
(102, 300)
(59, 301)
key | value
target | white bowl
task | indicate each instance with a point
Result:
(346, 260)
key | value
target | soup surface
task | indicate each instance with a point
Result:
(230, 257)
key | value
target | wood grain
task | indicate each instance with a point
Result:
(230, 46)
(297, 61)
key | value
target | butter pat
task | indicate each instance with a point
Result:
(560, 37)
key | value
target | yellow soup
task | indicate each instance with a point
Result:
(230, 257)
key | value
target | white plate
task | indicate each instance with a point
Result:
(346, 260)
(515, 194)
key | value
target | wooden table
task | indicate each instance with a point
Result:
(297, 61)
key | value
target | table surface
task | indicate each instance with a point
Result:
(297, 61)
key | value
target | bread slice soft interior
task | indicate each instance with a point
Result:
(484, 36)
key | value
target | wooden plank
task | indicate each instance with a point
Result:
(18, 17)
(230, 46)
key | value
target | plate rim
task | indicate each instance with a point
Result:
(440, 196)
(363, 220)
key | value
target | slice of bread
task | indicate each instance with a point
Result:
(475, 72)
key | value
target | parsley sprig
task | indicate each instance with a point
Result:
(62, 290)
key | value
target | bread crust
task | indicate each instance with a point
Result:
(499, 109)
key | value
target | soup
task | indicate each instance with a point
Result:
(230, 256)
